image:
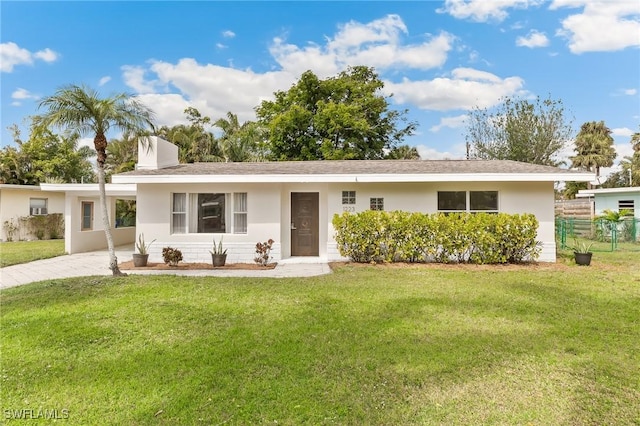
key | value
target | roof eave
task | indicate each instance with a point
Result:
(372, 178)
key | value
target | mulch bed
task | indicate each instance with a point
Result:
(194, 266)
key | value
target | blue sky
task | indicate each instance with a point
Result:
(439, 59)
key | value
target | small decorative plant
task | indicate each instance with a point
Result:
(217, 248)
(263, 251)
(583, 247)
(143, 248)
(171, 256)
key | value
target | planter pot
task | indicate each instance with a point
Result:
(218, 259)
(583, 258)
(140, 259)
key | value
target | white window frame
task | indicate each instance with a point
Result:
(348, 198)
(38, 211)
(82, 215)
(467, 206)
(234, 212)
(376, 203)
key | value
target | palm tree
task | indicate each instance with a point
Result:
(403, 152)
(240, 142)
(594, 147)
(80, 109)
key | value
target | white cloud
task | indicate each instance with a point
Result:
(451, 122)
(134, 77)
(602, 25)
(377, 44)
(630, 92)
(21, 93)
(484, 10)
(212, 89)
(168, 88)
(533, 39)
(465, 89)
(428, 153)
(228, 34)
(221, 46)
(11, 55)
(104, 80)
(46, 55)
(622, 131)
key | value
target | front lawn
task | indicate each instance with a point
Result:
(384, 345)
(13, 253)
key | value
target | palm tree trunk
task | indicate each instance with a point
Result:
(113, 260)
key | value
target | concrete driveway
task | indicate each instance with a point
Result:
(97, 263)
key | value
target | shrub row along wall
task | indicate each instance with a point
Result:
(380, 236)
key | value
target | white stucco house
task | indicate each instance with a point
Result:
(83, 228)
(614, 199)
(18, 201)
(185, 206)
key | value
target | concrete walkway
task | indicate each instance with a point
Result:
(97, 263)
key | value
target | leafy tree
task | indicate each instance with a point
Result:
(342, 117)
(44, 157)
(81, 110)
(519, 130)
(403, 152)
(594, 147)
(122, 155)
(240, 142)
(195, 143)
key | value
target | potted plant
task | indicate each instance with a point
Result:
(218, 254)
(141, 258)
(582, 253)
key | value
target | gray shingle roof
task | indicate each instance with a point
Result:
(349, 167)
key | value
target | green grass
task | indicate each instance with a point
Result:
(372, 345)
(13, 253)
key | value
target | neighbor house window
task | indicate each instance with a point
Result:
(376, 203)
(209, 213)
(471, 201)
(87, 216)
(37, 206)
(348, 197)
(626, 205)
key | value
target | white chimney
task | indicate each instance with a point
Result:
(157, 154)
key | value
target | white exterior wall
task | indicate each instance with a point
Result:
(14, 203)
(79, 241)
(513, 197)
(269, 213)
(263, 217)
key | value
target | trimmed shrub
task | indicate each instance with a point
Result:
(380, 236)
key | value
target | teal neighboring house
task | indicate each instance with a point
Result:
(614, 199)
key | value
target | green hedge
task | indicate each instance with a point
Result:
(397, 236)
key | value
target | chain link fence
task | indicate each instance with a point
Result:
(606, 235)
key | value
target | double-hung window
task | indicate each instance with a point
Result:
(209, 213)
